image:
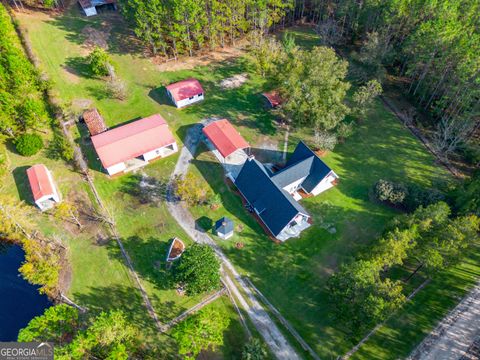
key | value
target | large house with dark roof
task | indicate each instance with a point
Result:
(273, 196)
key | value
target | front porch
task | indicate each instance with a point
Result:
(294, 230)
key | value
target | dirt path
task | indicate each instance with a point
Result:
(453, 337)
(275, 340)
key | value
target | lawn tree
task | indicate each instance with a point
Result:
(107, 336)
(42, 265)
(198, 269)
(57, 323)
(110, 336)
(324, 140)
(313, 84)
(394, 247)
(364, 96)
(67, 211)
(361, 297)
(99, 62)
(15, 216)
(192, 190)
(254, 349)
(441, 239)
(201, 331)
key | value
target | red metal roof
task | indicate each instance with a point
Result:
(224, 137)
(94, 121)
(185, 89)
(131, 140)
(40, 181)
(273, 98)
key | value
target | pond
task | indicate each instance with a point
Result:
(19, 301)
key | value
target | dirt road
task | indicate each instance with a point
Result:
(456, 332)
(274, 339)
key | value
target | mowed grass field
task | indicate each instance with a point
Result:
(291, 275)
(146, 230)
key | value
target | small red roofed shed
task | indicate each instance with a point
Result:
(94, 121)
(43, 188)
(273, 98)
(185, 92)
(224, 137)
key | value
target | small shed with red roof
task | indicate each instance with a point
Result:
(44, 191)
(274, 98)
(227, 144)
(133, 145)
(94, 121)
(185, 92)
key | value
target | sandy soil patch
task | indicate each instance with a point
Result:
(234, 82)
(96, 37)
(185, 63)
(81, 104)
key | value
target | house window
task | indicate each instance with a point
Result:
(157, 151)
(201, 94)
(191, 98)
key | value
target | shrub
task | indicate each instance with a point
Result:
(28, 144)
(117, 88)
(60, 148)
(391, 192)
(99, 62)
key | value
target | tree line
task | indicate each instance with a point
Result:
(435, 45)
(174, 27)
(22, 106)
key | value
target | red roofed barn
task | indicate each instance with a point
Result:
(227, 144)
(43, 188)
(133, 145)
(185, 92)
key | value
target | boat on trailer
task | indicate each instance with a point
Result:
(177, 247)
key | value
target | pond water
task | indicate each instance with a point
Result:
(19, 301)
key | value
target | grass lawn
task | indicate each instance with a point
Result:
(146, 230)
(291, 275)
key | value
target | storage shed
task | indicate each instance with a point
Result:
(224, 228)
(44, 191)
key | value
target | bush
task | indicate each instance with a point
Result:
(60, 148)
(417, 195)
(99, 62)
(117, 89)
(325, 141)
(471, 154)
(28, 144)
(391, 192)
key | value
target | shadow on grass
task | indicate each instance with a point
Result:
(109, 25)
(22, 184)
(78, 66)
(160, 96)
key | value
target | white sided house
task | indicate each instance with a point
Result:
(273, 197)
(134, 145)
(185, 92)
(44, 191)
